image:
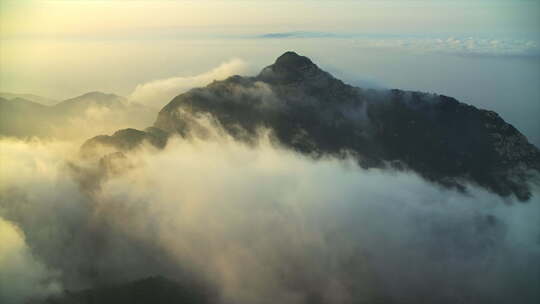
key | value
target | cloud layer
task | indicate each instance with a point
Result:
(264, 225)
(466, 46)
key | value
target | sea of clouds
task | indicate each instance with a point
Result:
(256, 224)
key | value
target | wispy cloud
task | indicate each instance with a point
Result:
(159, 92)
(457, 45)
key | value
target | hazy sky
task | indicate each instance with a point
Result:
(100, 19)
(49, 39)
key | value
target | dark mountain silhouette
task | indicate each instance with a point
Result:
(125, 140)
(153, 290)
(309, 111)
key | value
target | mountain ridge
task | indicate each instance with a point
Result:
(95, 98)
(30, 97)
(309, 111)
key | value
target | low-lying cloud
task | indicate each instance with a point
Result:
(259, 224)
(97, 120)
(22, 276)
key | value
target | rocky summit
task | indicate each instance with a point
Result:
(309, 111)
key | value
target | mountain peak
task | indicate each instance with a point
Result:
(92, 98)
(289, 68)
(292, 60)
(98, 94)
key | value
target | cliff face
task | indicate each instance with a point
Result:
(309, 111)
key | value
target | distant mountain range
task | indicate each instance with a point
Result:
(30, 97)
(91, 99)
(311, 112)
(27, 115)
(301, 34)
